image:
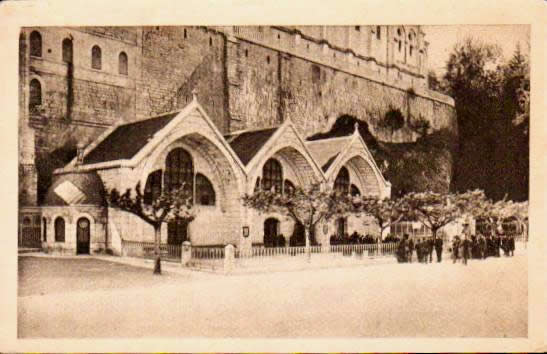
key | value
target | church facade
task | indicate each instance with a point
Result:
(185, 146)
(258, 86)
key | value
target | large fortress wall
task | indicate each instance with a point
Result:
(246, 77)
(176, 60)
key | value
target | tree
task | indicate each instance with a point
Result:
(435, 210)
(492, 108)
(307, 205)
(386, 212)
(168, 205)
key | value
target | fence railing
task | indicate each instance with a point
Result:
(375, 249)
(274, 251)
(147, 250)
(207, 253)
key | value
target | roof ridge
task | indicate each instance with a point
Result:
(150, 118)
(239, 132)
(331, 138)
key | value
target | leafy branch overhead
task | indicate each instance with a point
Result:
(168, 205)
(308, 205)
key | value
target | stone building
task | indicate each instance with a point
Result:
(186, 146)
(76, 83)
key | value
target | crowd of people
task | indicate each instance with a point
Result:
(482, 247)
(462, 248)
(423, 248)
(354, 239)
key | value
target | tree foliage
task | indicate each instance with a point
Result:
(171, 204)
(436, 210)
(386, 212)
(308, 205)
(167, 206)
(492, 107)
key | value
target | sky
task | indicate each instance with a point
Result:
(443, 38)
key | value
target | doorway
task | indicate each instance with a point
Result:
(82, 236)
(177, 232)
(271, 232)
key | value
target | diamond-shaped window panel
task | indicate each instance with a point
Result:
(69, 193)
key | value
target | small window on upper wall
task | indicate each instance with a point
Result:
(378, 33)
(96, 58)
(185, 34)
(357, 28)
(36, 44)
(67, 50)
(122, 64)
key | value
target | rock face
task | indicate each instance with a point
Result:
(250, 77)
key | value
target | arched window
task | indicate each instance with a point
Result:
(96, 57)
(122, 64)
(152, 189)
(354, 190)
(272, 175)
(341, 183)
(67, 50)
(35, 95)
(59, 230)
(288, 187)
(36, 44)
(179, 169)
(205, 194)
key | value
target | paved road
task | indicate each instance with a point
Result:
(485, 299)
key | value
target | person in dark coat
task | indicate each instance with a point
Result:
(429, 247)
(455, 248)
(410, 250)
(482, 246)
(420, 250)
(402, 250)
(466, 247)
(497, 245)
(489, 246)
(439, 249)
(512, 245)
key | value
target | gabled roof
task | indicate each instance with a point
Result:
(126, 140)
(247, 144)
(325, 151)
(126, 145)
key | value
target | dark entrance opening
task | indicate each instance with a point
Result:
(341, 227)
(271, 232)
(177, 232)
(82, 236)
(298, 237)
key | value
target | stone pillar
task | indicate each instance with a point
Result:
(185, 253)
(229, 258)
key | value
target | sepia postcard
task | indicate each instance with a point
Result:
(245, 176)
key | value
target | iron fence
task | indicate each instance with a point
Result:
(147, 250)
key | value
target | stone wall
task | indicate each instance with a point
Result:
(314, 95)
(244, 80)
(176, 60)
